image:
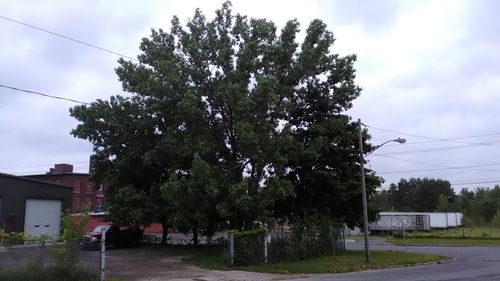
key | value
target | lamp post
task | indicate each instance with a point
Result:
(363, 186)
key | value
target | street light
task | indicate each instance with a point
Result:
(363, 185)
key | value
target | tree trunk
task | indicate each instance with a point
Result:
(195, 236)
(164, 235)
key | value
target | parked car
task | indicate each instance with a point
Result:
(115, 236)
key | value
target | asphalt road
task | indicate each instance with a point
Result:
(162, 263)
(468, 264)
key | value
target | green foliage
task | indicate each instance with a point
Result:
(447, 242)
(194, 199)
(47, 274)
(348, 262)
(483, 205)
(249, 247)
(421, 195)
(258, 113)
(8, 240)
(37, 260)
(306, 240)
(495, 222)
(66, 257)
(468, 222)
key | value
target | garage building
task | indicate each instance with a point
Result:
(32, 206)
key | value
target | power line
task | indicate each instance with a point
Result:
(457, 138)
(438, 169)
(35, 172)
(39, 166)
(431, 138)
(444, 166)
(464, 182)
(434, 149)
(42, 94)
(476, 181)
(68, 38)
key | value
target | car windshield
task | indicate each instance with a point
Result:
(98, 229)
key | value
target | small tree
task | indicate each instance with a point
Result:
(67, 256)
(194, 196)
(7, 240)
(495, 222)
(467, 222)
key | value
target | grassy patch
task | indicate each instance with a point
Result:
(356, 238)
(477, 232)
(47, 274)
(433, 241)
(349, 261)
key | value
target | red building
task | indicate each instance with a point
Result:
(85, 192)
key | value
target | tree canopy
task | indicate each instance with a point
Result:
(235, 122)
(417, 195)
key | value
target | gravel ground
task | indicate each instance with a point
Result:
(148, 263)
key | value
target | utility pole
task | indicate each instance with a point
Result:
(363, 193)
(363, 184)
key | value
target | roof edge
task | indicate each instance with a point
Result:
(34, 180)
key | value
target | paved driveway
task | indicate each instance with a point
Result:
(469, 263)
(152, 263)
(162, 263)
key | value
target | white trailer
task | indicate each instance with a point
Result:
(452, 219)
(438, 220)
(389, 221)
(416, 220)
(460, 218)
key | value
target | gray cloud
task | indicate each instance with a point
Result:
(429, 68)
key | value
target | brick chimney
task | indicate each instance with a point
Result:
(62, 168)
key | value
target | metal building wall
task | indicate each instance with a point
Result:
(15, 190)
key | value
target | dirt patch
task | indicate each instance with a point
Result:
(164, 263)
(153, 263)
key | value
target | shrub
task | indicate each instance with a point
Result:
(306, 240)
(9, 239)
(67, 256)
(248, 247)
(47, 274)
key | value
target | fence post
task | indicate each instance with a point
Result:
(231, 249)
(332, 239)
(103, 254)
(265, 247)
(343, 238)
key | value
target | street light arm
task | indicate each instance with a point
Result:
(399, 140)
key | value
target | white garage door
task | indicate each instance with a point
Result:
(42, 217)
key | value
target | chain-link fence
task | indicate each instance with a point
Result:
(258, 246)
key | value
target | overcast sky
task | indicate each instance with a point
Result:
(430, 73)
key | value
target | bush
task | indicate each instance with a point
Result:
(248, 247)
(67, 256)
(47, 274)
(306, 240)
(9, 239)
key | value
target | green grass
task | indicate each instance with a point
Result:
(478, 232)
(349, 261)
(47, 274)
(356, 238)
(431, 241)
(469, 236)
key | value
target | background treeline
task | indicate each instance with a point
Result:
(479, 205)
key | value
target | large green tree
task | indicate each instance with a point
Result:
(263, 113)
(419, 194)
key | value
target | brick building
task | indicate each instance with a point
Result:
(85, 192)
